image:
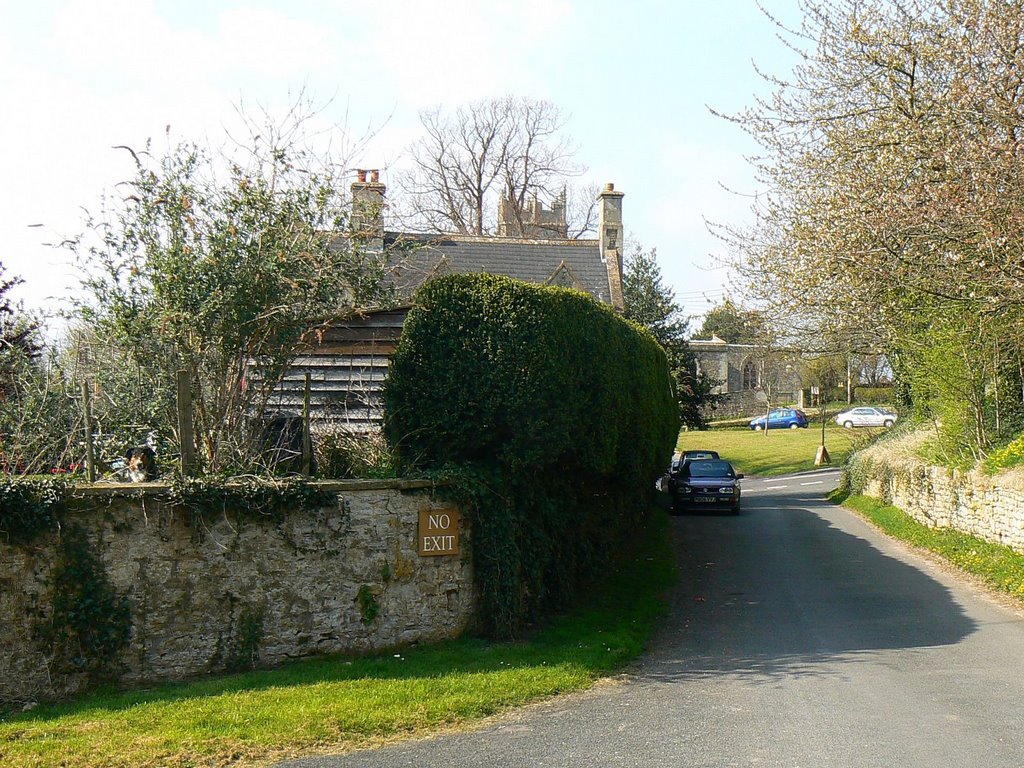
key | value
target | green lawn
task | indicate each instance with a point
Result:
(777, 451)
(343, 703)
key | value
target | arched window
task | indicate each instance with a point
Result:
(749, 375)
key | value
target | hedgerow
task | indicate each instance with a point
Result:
(551, 415)
(874, 395)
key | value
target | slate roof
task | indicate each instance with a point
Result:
(415, 258)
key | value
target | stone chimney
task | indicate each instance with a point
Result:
(610, 233)
(367, 220)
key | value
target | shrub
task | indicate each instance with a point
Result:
(835, 395)
(345, 454)
(874, 395)
(553, 415)
(1005, 457)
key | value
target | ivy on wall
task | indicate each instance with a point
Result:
(89, 623)
(369, 606)
(85, 624)
(30, 508)
(254, 498)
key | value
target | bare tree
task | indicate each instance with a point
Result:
(890, 218)
(581, 210)
(509, 147)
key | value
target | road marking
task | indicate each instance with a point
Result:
(816, 482)
(774, 487)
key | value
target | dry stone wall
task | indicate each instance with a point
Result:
(943, 498)
(209, 592)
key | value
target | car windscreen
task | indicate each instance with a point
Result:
(710, 469)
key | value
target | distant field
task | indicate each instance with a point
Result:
(779, 451)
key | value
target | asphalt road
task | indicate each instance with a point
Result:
(798, 637)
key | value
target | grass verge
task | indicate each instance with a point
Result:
(344, 703)
(998, 566)
(779, 451)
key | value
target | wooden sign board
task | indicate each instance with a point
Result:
(439, 532)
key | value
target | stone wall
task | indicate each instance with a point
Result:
(938, 497)
(217, 591)
(738, 392)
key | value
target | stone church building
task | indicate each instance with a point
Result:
(745, 377)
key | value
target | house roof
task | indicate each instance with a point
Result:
(415, 258)
(714, 343)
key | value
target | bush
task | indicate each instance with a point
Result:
(835, 395)
(1005, 457)
(553, 415)
(874, 395)
(345, 454)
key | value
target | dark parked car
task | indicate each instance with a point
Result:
(706, 484)
(680, 460)
(687, 456)
(781, 418)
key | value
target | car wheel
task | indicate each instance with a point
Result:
(888, 422)
(848, 424)
(794, 426)
(735, 510)
(758, 427)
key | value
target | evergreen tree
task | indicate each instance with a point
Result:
(653, 305)
(733, 324)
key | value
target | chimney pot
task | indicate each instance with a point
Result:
(375, 176)
(360, 175)
(609, 187)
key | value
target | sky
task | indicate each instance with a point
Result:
(634, 80)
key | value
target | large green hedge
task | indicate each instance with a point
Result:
(554, 416)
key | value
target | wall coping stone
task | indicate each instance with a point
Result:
(129, 490)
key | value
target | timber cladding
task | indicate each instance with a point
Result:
(348, 363)
(204, 591)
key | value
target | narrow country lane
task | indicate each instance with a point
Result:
(798, 637)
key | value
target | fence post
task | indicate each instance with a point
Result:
(185, 433)
(90, 458)
(307, 440)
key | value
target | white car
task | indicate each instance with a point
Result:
(866, 416)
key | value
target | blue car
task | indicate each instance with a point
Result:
(781, 418)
